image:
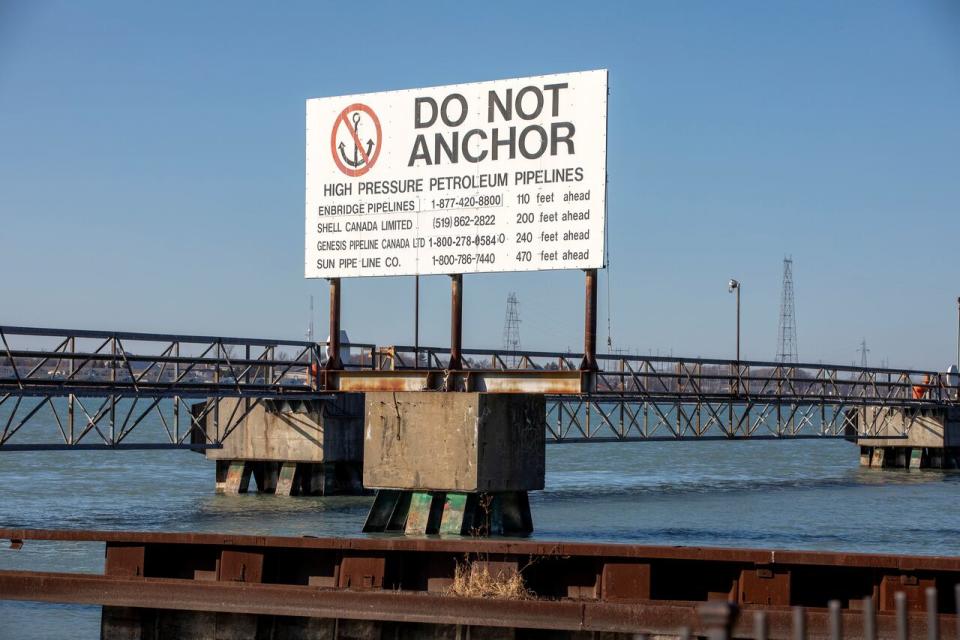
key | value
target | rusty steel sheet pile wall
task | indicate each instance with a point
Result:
(570, 586)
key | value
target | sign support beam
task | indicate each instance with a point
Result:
(416, 322)
(333, 357)
(456, 321)
(589, 362)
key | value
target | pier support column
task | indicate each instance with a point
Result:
(908, 438)
(311, 447)
(237, 476)
(288, 471)
(455, 464)
(878, 457)
(916, 458)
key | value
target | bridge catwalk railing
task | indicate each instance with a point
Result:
(97, 387)
(656, 377)
(94, 388)
(635, 398)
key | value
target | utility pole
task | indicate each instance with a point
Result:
(734, 285)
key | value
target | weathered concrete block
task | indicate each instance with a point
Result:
(304, 431)
(935, 427)
(454, 441)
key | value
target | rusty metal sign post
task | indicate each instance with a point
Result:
(456, 322)
(334, 362)
(589, 362)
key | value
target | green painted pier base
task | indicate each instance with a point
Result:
(453, 463)
(450, 513)
(289, 478)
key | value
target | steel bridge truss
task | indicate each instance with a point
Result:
(93, 389)
(635, 398)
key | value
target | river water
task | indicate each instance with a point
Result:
(767, 494)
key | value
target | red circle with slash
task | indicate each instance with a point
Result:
(340, 156)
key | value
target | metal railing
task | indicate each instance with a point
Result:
(96, 387)
(636, 398)
(656, 377)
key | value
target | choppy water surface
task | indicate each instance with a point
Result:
(799, 495)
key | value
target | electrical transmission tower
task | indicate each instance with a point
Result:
(511, 326)
(863, 353)
(787, 333)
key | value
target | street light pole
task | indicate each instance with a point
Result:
(734, 285)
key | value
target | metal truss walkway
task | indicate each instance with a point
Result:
(72, 389)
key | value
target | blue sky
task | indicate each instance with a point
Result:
(151, 167)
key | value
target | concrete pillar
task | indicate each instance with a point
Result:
(865, 454)
(916, 457)
(237, 477)
(453, 463)
(908, 438)
(285, 479)
(322, 439)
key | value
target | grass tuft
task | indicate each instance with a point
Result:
(474, 580)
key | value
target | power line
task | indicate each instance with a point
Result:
(787, 331)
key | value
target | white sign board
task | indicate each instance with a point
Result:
(507, 175)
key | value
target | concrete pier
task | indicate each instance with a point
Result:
(908, 438)
(456, 463)
(311, 447)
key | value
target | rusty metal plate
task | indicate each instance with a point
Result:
(361, 381)
(124, 560)
(764, 586)
(889, 562)
(240, 566)
(358, 572)
(489, 381)
(498, 570)
(915, 587)
(650, 617)
(625, 582)
(545, 382)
